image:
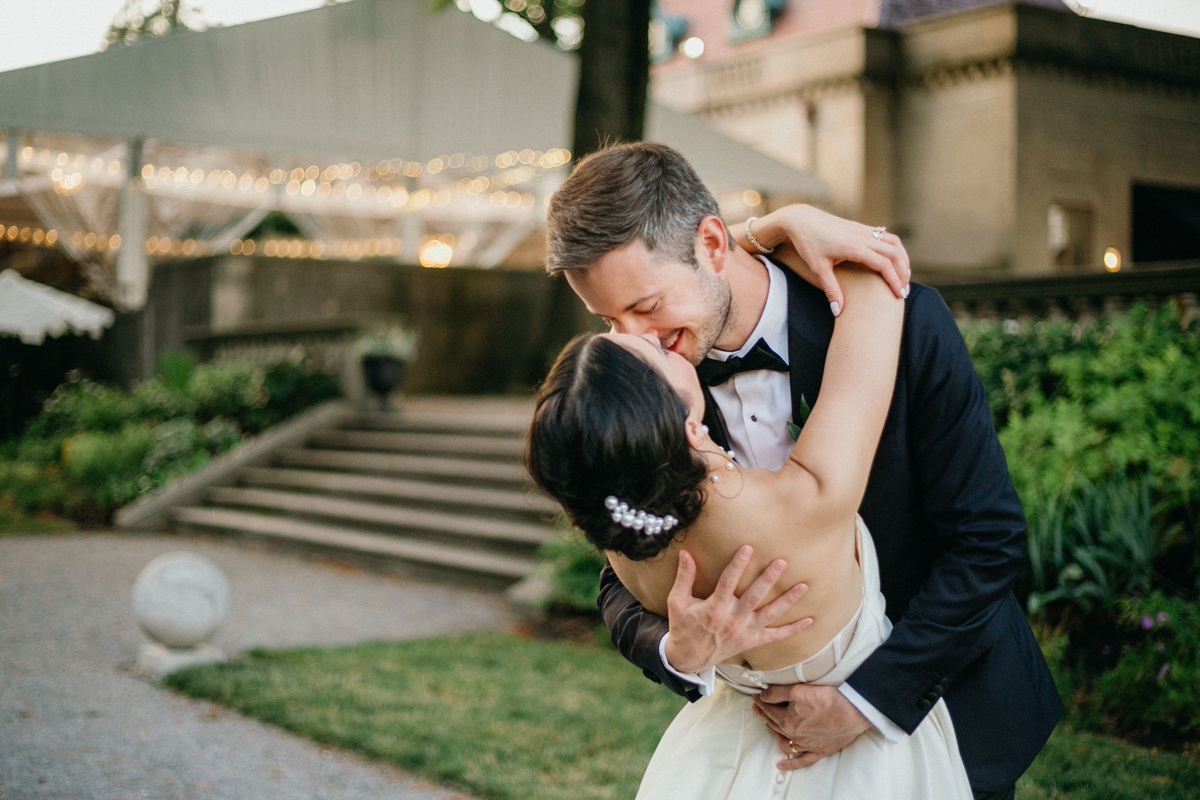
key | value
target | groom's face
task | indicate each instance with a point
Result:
(635, 291)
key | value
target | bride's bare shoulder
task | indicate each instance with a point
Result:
(766, 504)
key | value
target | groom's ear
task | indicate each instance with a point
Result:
(712, 243)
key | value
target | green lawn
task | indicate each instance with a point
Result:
(509, 718)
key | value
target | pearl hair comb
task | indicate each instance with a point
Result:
(628, 517)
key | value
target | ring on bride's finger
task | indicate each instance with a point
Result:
(879, 232)
(795, 750)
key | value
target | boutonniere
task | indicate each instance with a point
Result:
(804, 410)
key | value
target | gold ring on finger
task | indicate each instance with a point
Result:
(792, 745)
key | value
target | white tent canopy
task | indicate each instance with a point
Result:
(33, 311)
(463, 124)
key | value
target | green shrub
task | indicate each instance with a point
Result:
(94, 448)
(1013, 359)
(1155, 685)
(1078, 404)
(109, 463)
(1124, 398)
(291, 386)
(32, 487)
(175, 369)
(78, 406)
(575, 569)
(229, 389)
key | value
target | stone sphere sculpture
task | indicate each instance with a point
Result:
(181, 599)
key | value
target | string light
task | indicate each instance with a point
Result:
(435, 254)
(349, 249)
(489, 180)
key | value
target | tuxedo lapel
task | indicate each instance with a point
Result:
(714, 420)
(810, 326)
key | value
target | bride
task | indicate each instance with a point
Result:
(618, 440)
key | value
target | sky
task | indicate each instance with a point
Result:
(37, 31)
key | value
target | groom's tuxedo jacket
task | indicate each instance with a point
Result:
(950, 535)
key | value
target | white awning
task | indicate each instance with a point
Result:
(33, 311)
(376, 126)
(367, 80)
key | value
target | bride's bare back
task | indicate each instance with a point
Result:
(825, 560)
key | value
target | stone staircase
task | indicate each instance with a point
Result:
(436, 490)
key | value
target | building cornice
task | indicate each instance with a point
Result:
(1024, 39)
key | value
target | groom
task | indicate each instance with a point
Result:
(640, 240)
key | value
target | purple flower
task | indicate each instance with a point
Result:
(1162, 616)
(1105, 650)
(1160, 647)
(1133, 595)
(1162, 673)
(1147, 623)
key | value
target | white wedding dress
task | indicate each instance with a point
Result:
(717, 748)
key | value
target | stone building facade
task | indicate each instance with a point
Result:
(999, 139)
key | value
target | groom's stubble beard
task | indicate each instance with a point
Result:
(718, 301)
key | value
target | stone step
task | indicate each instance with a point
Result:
(490, 424)
(394, 464)
(391, 516)
(490, 447)
(509, 500)
(374, 545)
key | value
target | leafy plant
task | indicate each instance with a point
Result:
(175, 368)
(575, 569)
(1156, 681)
(1103, 543)
(94, 448)
(397, 341)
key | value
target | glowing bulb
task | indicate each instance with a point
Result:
(1112, 259)
(693, 47)
(435, 254)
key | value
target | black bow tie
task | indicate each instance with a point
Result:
(714, 372)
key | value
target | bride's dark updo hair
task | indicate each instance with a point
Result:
(609, 424)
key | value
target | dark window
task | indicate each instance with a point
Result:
(1166, 223)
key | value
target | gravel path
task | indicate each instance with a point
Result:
(76, 722)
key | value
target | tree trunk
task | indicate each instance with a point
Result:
(614, 70)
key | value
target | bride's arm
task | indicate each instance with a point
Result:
(812, 242)
(833, 454)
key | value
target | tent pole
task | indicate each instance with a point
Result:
(14, 148)
(133, 266)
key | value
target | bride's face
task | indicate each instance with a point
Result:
(674, 367)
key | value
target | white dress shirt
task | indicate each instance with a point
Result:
(756, 407)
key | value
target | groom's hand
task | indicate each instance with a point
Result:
(706, 632)
(809, 722)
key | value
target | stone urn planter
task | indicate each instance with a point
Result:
(385, 357)
(384, 374)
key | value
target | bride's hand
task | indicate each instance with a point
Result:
(706, 632)
(812, 242)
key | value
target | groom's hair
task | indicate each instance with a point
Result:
(641, 191)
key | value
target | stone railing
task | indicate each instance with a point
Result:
(1079, 297)
(323, 342)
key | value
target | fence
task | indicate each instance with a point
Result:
(1079, 297)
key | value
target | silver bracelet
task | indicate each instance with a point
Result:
(766, 251)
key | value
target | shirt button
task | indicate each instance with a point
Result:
(754, 417)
